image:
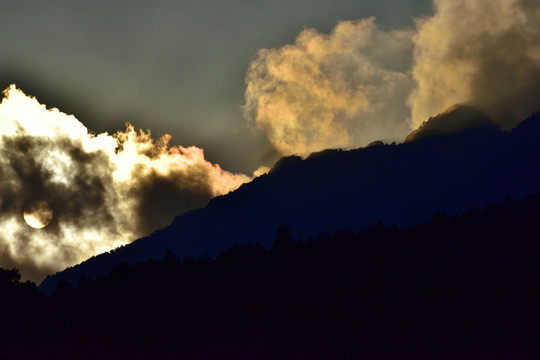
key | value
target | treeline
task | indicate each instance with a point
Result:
(465, 286)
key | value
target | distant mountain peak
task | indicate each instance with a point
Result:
(285, 163)
(458, 118)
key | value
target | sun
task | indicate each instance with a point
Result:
(38, 214)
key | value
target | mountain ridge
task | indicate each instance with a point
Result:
(336, 189)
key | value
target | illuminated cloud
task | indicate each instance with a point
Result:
(359, 84)
(261, 170)
(104, 190)
(344, 89)
(482, 52)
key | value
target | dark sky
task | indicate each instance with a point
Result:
(174, 67)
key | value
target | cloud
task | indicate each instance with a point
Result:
(261, 170)
(339, 90)
(484, 53)
(105, 190)
(344, 89)
(359, 84)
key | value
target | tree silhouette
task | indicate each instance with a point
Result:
(284, 240)
(458, 286)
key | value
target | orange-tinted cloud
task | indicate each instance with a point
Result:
(104, 190)
(480, 52)
(331, 90)
(359, 84)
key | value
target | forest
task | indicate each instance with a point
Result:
(462, 286)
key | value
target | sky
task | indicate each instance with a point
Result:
(126, 114)
(174, 67)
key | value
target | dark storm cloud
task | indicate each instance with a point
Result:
(26, 265)
(159, 196)
(81, 201)
(85, 203)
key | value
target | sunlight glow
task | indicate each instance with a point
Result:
(97, 182)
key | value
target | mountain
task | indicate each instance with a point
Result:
(441, 168)
(457, 119)
(459, 287)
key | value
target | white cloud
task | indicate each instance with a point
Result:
(105, 190)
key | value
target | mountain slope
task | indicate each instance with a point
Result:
(396, 184)
(453, 288)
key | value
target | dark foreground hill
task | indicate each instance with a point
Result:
(460, 287)
(441, 168)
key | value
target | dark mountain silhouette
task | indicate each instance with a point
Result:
(458, 287)
(436, 171)
(457, 119)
